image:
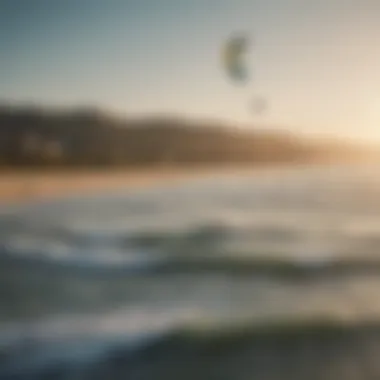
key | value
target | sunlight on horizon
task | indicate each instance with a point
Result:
(315, 65)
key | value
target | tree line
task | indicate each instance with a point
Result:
(38, 137)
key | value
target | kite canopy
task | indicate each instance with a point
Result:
(235, 64)
(234, 51)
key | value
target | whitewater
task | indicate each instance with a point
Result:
(273, 275)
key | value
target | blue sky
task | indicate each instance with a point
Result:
(317, 62)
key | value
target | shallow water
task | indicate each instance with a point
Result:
(282, 266)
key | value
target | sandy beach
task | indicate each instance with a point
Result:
(22, 186)
(25, 186)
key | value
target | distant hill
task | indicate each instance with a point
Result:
(35, 137)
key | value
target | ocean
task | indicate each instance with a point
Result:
(274, 275)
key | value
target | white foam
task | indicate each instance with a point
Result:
(81, 340)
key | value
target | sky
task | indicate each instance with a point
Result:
(317, 62)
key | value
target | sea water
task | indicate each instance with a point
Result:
(273, 275)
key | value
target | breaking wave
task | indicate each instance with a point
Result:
(268, 277)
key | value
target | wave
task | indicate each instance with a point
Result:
(170, 346)
(76, 341)
(230, 242)
(272, 267)
(152, 263)
(210, 247)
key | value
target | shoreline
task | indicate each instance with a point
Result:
(24, 186)
(17, 186)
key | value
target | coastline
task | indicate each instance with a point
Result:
(18, 186)
(21, 186)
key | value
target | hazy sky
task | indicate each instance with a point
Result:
(316, 61)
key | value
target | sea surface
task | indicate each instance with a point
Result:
(274, 275)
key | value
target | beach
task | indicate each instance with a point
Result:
(37, 185)
(16, 186)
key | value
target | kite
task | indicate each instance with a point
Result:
(234, 51)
